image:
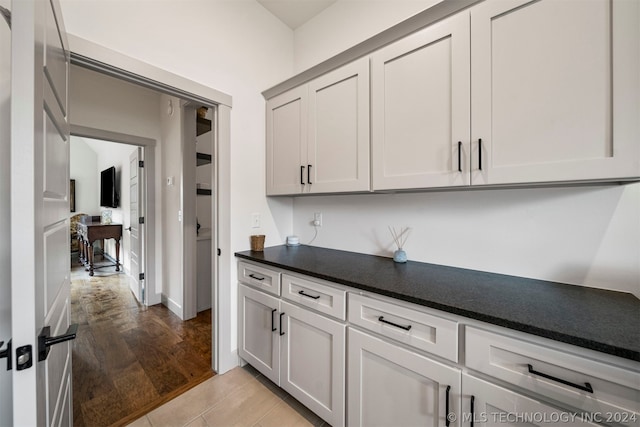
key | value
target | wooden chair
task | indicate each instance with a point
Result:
(73, 231)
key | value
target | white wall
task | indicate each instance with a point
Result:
(83, 167)
(172, 292)
(347, 23)
(581, 235)
(6, 410)
(111, 154)
(235, 46)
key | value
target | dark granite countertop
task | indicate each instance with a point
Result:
(596, 319)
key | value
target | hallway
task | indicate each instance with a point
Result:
(129, 359)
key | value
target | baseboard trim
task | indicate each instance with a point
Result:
(172, 305)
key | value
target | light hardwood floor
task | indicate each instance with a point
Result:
(241, 397)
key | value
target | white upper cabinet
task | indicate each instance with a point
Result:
(338, 154)
(318, 134)
(420, 109)
(286, 141)
(555, 91)
(506, 92)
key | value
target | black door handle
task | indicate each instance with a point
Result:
(309, 174)
(473, 404)
(128, 228)
(459, 156)
(273, 323)
(406, 328)
(304, 294)
(302, 175)
(446, 409)
(586, 387)
(480, 153)
(45, 340)
(6, 353)
(281, 332)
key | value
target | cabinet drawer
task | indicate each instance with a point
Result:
(406, 324)
(263, 278)
(323, 298)
(612, 392)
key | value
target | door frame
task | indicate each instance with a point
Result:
(98, 58)
(152, 295)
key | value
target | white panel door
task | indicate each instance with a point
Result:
(312, 362)
(6, 411)
(338, 146)
(485, 404)
(420, 109)
(555, 90)
(287, 142)
(136, 199)
(40, 213)
(259, 331)
(389, 385)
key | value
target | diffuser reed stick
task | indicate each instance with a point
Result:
(400, 237)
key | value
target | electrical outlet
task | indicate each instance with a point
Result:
(255, 220)
(317, 219)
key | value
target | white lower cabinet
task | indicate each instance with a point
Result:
(299, 350)
(389, 385)
(485, 404)
(312, 361)
(408, 365)
(259, 342)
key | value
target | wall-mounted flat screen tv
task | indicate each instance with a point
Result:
(108, 190)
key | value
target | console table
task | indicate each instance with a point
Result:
(89, 232)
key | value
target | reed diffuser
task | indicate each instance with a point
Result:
(400, 238)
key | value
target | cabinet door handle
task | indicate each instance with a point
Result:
(309, 174)
(302, 175)
(586, 387)
(459, 156)
(381, 319)
(480, 153)
(281, 331)
(304, 294)
(253, 276)
(273, 322)
(472, 409)
(446, 407)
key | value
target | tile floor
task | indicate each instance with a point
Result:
(241, 397)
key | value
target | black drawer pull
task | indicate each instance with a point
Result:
(446, 409)
(281, 331)
(302, 175)
(304, 294)
(586, 387)
(309, 174)
(273, 323)
(253, 276)
(381, 319)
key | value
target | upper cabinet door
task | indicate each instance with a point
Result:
(338, 155)
(555, 90)
(287, 142)
(420, 109)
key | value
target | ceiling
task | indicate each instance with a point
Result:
(295, 12)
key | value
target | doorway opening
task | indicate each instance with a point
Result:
(164, 355)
